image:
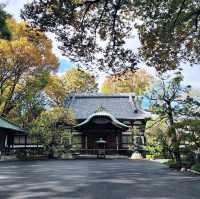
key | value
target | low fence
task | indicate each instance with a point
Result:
(107, 151)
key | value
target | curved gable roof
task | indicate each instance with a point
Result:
(100, 114)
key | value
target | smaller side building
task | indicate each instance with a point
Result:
(114, 118)
(9, 133)
(13, 138)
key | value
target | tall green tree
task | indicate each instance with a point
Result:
(4, 30)
(168, 100)
(50, 129)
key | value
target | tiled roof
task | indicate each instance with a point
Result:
(121, 106)
(5, 124)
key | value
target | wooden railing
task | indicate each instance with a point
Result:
(107, 151)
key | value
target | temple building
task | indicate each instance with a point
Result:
(115, 119)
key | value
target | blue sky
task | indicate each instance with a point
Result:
(191, 74)
(64, 65)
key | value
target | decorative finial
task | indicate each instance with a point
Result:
(100, 109)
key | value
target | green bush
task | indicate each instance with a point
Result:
(173, 164)
(196, 167)
(21, 154)
(149, 157)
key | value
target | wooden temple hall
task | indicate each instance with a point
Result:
(112, 119)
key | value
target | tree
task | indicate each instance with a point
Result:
(92, 32)
(50, 128)
(168, 30)
(79, 81)
(25, 65)
(4, 30)
(29, 99)
(55, 90)
(168, 100)
(72, 81)
(158, 136)
(189, 125)
(138, 82)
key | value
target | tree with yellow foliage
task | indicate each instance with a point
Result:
(25, 65)
(72, 81)
(130, 81)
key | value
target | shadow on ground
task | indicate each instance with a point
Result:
(95, 179)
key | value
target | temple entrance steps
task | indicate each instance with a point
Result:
(90, 156)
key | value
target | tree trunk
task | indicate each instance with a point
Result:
(8, 106)
(175, 142)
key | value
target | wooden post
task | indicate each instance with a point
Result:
(86, 142)
(117, 142)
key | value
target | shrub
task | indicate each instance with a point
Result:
(21, 154)
(149, 157)
(173, 164)
(196, 167)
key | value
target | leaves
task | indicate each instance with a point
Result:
(92, 33)
(169, 32)
(95, 32)
(50, 127)
(138, 81)
(72, 81)
(25, 65)
(4, 30)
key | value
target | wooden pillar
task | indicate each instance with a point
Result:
(86, 142)
(117, 142)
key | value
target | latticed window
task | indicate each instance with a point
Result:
(19, 140)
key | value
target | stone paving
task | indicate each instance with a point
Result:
(95, 179)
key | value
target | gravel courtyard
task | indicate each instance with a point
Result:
(95, 179)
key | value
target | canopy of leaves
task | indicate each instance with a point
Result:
(173, 105)
(92, 32)
(76, 80)
(50, 128)
(137, 82)
(4, 30)
(25, 65)
(169, 32)
(72, 81)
